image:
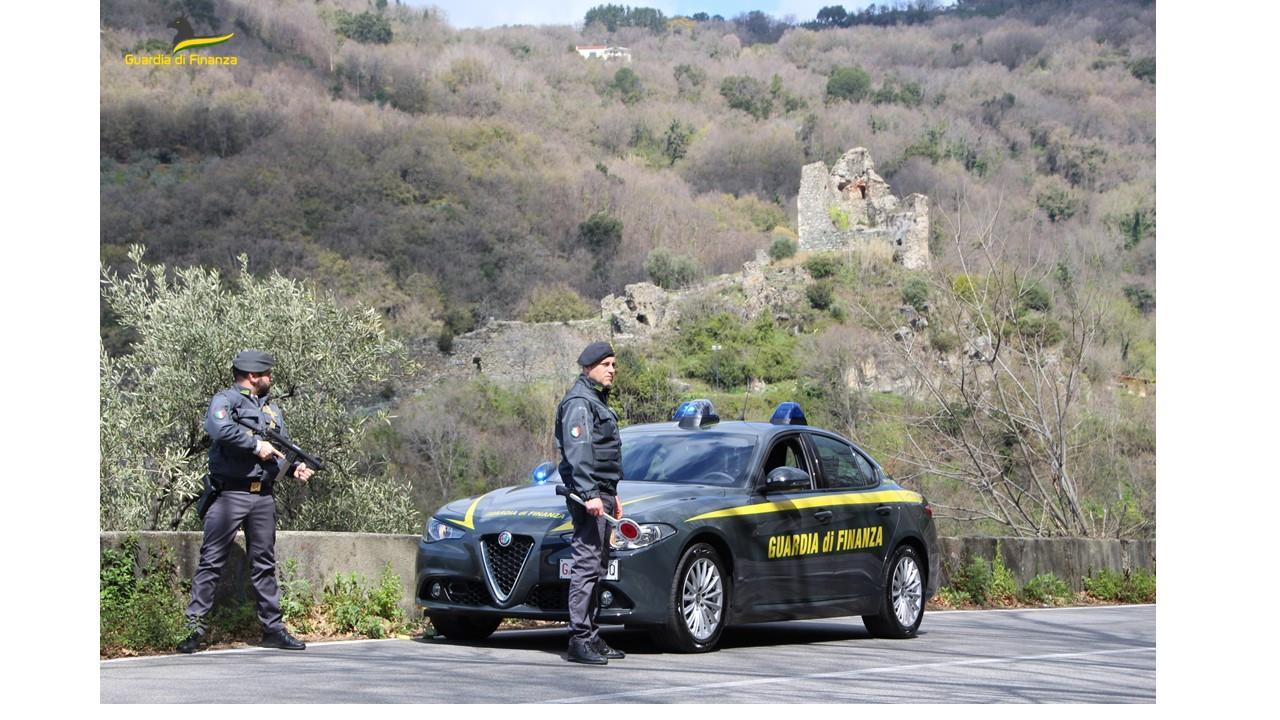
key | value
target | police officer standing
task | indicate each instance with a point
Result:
(591, 467)
(244, 466)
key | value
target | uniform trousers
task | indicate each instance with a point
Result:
(590, 553)
(256, 514)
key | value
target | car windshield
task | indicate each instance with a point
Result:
(686, 457)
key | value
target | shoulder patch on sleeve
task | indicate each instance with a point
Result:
(577, 423)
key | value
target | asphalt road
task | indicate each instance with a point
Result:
(1068, 655)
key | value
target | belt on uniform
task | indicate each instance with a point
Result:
(250, 486)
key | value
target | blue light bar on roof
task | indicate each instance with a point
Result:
(788, 413)
(542, 473)
(696, 414)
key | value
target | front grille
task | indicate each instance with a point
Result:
(550, 596)
(503, 564)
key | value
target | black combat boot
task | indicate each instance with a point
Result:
(282, 640)
(583, 652)
(192, 643)
(601, 647)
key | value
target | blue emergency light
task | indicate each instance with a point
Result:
(542, 473)
(788, 413)
(696, 414)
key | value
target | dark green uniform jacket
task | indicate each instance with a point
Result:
(588, 440)
(231, 458)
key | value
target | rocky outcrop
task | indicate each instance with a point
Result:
(509, 351)
(851, 205)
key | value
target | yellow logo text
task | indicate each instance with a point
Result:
(832, 541)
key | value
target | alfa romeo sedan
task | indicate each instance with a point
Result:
(739, 522)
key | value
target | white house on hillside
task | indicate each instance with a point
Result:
(601, 51)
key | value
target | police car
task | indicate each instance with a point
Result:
(739, 522)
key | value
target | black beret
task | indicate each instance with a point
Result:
(594, 353)
(254, 361)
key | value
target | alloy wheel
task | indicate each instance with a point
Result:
(702, 599)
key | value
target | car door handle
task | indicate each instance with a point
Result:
(884, 509)
(823, 516)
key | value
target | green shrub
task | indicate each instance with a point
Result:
(372, 627)
(670, 271)
(748, 94)
(557, 303)
(1059, 203)
(953, 597)
(1046, 589)
(384, 600)
(343, 600)
(1034, 297)
(460, 320)
(1140, 587)
(140, 608)
(821, 266)
(915, 292)
(1143, 68)
(354, 608)
(839, 218)
(626, 85)
(782, 248)
(966, 287)
(1042, 329)
(444, 341)
(758, 350)
(1004, 587)
(643, 392)
(1105, 584)
(848, 84)
(1133, 587)
(296, 597)
(820, 295)
(366, 27)
(975, 580)
(1142, 299)
(764, 215)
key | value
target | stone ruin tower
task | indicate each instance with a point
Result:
(851, 205)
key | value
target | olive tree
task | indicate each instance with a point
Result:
(188, 323)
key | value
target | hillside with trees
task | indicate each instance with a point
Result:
(443, 176)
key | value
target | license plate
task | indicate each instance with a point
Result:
(566, 566)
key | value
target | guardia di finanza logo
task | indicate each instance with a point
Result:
(186, 41)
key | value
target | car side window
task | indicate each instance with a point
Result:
(787, 452)
(842, 466)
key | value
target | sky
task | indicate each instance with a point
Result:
(469, 13)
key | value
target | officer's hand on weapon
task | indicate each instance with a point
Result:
(595, 507)
(303, 472)
(266, 451)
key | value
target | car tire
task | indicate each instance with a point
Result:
(698, 602)
(901, 597)
(466, 629)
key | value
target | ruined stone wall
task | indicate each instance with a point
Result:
(509, 351)
(851, 206)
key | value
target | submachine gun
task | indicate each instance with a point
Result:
(292, 454)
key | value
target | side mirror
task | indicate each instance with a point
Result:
(786, 478)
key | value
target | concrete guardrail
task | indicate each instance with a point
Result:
(320, 556)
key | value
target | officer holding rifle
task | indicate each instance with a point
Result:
(243, 468)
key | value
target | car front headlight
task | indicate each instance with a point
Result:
(650, 533)
(439, 530)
